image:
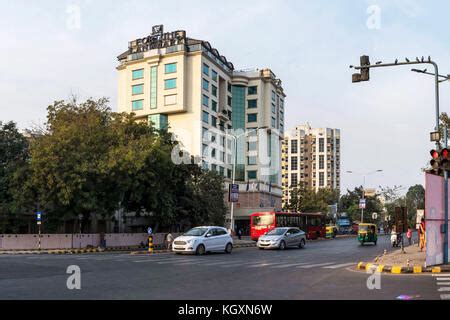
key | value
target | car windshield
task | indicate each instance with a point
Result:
(196, 232)
(363, 228)
(263, 220)
(276, 232)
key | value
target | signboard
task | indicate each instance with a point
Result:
(233, 193)
(149, 231)
(370, 192)
(362, 203)
(39, 217)
(374, 216)
(401, 219)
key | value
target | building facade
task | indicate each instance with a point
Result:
(311, 159)
(184, 85)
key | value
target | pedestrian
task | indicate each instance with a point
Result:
(239, 233)
(169, 241)
(409, 235)
(422, 231)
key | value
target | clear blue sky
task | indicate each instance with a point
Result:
(47, 54)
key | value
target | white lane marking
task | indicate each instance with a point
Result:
(444, 289)
(288, 265)
(315, 265)
(443, 283)
(178, 260)
(260, 265)
(235, 264)
(441, 275)
(217, 263)
(160, 260)
(445, 296)
(443, 279)
(342, 265)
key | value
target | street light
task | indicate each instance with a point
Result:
(364, 186)
(235, 138)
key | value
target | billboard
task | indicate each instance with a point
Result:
(434, 218)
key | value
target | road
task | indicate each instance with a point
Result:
(322, 270)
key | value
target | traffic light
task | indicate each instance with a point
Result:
(440, 161)
(445, 163)
(364, 75)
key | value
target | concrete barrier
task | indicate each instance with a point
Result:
(76, 241)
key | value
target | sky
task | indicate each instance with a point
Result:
(51, 50)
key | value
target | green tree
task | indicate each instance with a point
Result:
(305, 199)
(349, 203)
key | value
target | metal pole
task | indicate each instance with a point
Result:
(39, 237)
(362, 209)
(233, 179)
(445, 202)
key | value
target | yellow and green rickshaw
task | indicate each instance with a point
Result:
(367, 232)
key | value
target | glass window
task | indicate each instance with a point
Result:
(170, 84)
(294, 146)
(214, 90)
(204, 134)
(274, 122)
(321, 162)
(138, 74)
(264, 220)
(274, 108)
(294, 163)
(321, 179)
(213, 121)
(137, 89)
(252, 104)
(251, 160)
(137, 105)
(251, 174)
(274, 96)
(214, 105)
(153, 87)
(321, 144)
(251, 146)
(205, 100)
(252, 90)
(170, 67)
(229, 101)
(252, 117)
(205, 69)
(205, 117)
(205, 85)
(214, 75)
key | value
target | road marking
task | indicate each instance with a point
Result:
(444, 289)
(161, 260)
(287, 265)
(443, 279)
(441, 275)
(443, 283)
(445, 296)
(261, 265)
(316, 265)
(342, 265)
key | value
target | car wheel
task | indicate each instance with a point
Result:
(228, 248)
(200, 250)
(282, 245)
(302, 244)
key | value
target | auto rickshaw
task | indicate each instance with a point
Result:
(331, 231)
(367, 232)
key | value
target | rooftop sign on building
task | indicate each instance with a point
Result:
(158, 39)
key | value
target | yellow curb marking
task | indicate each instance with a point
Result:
(369, 266)
(417, 269)
(380, 268)
(436, 270)
(360, 265)
(396, 269)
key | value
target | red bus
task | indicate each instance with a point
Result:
(312, 223)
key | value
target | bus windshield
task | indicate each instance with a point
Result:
(264, 220)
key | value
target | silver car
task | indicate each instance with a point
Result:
(281, 238)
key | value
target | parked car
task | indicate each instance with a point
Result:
(200, 240)
(281, 238)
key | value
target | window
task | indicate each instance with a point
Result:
(214, 75)
(137, 89)
(294, 146)
(153, 87)
(251, 146)
(274, 108)
(294, 179)
(213, 121)
(251, 160)
(170, 100)
(137, 105)
(214, 90)
(222, 171)
(204, 134)
(170, 67)
(214, 167)
(205, 69)
(294, 163)
(321, 179)
(252, 90)
(251, 174)
(229, 87)
(229, 101)
(170, 84)
(252, 103)
(321, 162)
(274, 96)
(205, 117)
(252, 117)
(274, 122)
(321, 145)
(214, 105)
(138, 74)
(213, 153)
(222, 156)
(222, 141)
(205, 100)
(205, 85)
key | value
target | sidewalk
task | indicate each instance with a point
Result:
(397, 262)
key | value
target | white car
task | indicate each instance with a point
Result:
(200, 240)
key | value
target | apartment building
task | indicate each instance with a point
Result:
(311, 158)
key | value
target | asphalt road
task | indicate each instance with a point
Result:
(322, 270)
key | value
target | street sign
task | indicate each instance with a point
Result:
(38, 216)
(149, 230)
(233, 193)
(374, 216)
(362, 203)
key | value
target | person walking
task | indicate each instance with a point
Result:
(409, 235)
(422, 230)
(239, 233)
(169, 241)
